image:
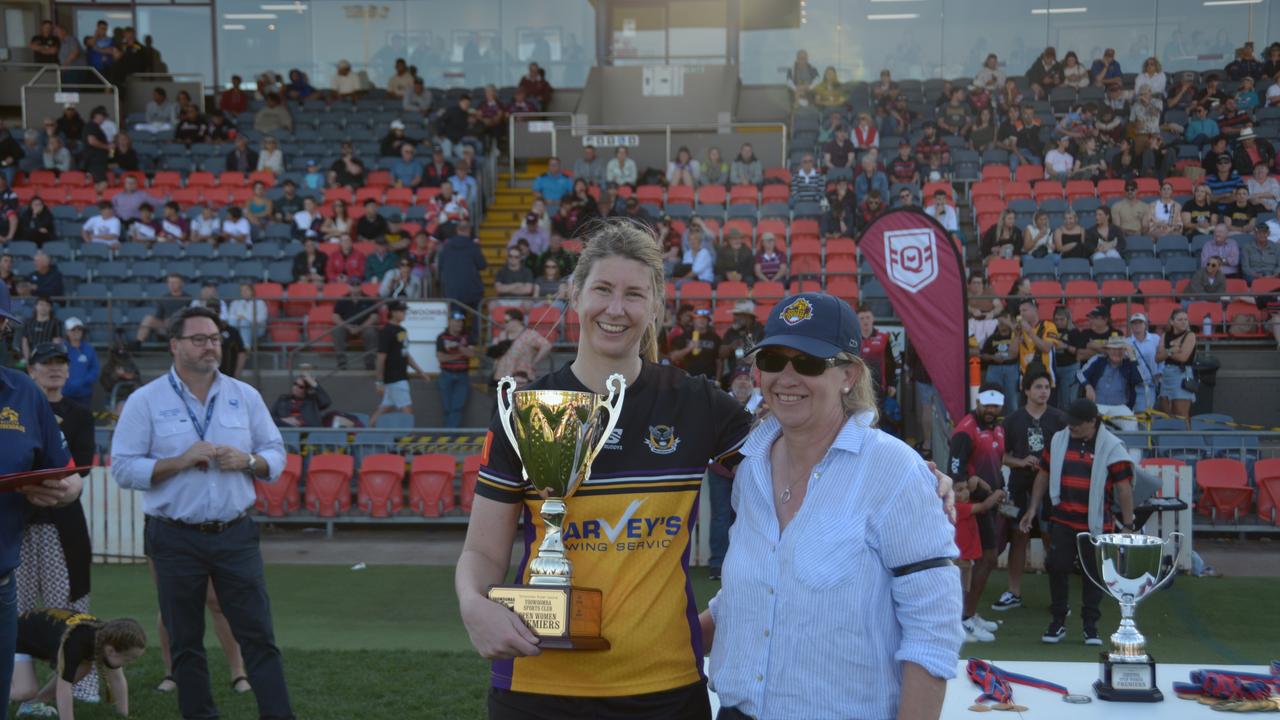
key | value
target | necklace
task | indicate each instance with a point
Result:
(785, 497)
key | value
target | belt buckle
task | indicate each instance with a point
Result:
(211, 527)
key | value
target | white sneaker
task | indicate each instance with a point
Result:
(974, 633)
(985, 624)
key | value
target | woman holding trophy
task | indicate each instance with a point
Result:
(623, 544)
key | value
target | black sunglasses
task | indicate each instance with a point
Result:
(773, 361)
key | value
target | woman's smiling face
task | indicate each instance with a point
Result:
(615, 304)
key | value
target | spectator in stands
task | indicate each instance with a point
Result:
(236, 227)
(454, 124)
(515, 279)
(35, 224)
(982, 133)
(346, 84)
(684, 169)
(621, 169)
(1260, 258)
(808, 185)
(1151, 77)
(233, 100)
(354, 315)
(103, 228)
(146, 228)
(208, 298)
(906, 198)
(1200, 214)
(273, 117)
(242, 159)
(520, 103)
(1157, 159)
(1241, 214)
(983, 306)
(492, 116)
(71, 126)
(1272, 64)
(391, 144)
(531, 232)
(82, 364)
(1037, 238)
(745, 169)
(302, 405)
(1224, 249)
(1201, 129)
(1106, 71)
(945, 213)
(1130, 214)
(56, 157)
(1144, 116)
(7, 276)
(1112, 380)
(698, 352)
(400, 282)
(438, 171)
(839, 152)
(161, 115)
(447, 206)
(401, 82)
(406, 170)
(1209, 282)
(556, 252)
(460, 262)
(1166, 214)
(14, 156)
(172, 227)
(372, 227)
(840, 218)
(535, 85)
(990, 77)
(589, 168)
(191, 127)
(346, 265)
(347, 170)
(313, 179)
(8, 224)
(218, 130)
(550, 286)
(306, 222)
(382, 260)
(698, 258)
(299, 87)
(552, 184)
(742, 335)
(735, 261)
(122, 157)
(1252, 151)
(1058, 162)
(128, 202)
(247, 315)
(309, 264)
(258, 208)
(468, 190)
(1090, 161)
(1002, 239)
(46, 277)
(714, 170)
(1045, 73)
(1183, 93)
(1273, 92)
(1247, 98)
(271, 159)
(206, 228)
(289, 203)
(338, 225)
(45, 45)
(1232, 121)
(800, 77)
(1263, 188)
(953, 116)
(42, 327)
(517, 348)
(418, 98)
(1245, 65)
(903, 168)
(1103, 240)
(1177, 351)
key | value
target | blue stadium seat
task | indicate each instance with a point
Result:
(1110, 269)
(58, 250)
(280, 271)
(1038, 268)
(146, 270)
(215, 269)
(111, 270)
(233, 251)
(1180, 267)
(266, 249)
(132, 252)
(1136, 246)
(249, 270)
(198, 251)
(1072, 269)
(1171, 246)
(166, 251)
(187, 269)
(1145, 268)
(21, 249)
(93, 253)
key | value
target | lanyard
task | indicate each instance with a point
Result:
(997, 683)
(200, 428)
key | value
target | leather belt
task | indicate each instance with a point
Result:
(208, 527)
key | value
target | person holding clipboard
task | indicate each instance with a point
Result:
(32, 440)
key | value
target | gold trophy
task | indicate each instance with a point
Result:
(557, 434)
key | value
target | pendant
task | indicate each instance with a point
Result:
(786, 496)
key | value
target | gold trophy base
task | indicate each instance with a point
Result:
(563, 618)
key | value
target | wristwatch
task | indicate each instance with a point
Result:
(253, 465)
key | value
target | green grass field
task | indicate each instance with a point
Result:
(386, 642)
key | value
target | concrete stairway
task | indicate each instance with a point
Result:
(505, 215)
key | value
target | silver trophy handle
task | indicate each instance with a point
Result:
(506, 407)
(1084, 565)
(1175, 539)
(616, 384)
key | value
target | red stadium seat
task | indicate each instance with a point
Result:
(470, 475)
(400, 197)
(775, 226)
(319, 322)
(334, 291)
(425, 195)
(1077, 189)
(744, 195)
(1181, 185)
(201, 178)
(730, 291)
(651, 194)
(696, 293)
(1002, 273)
(844, 287)
(1148, 188)
(768, 293)
(186, 197)
(932, 187)
(42, 178)
(1225, 487)
(365, 194)
(1265, 286)
(1046, 190)
(270, 293)
(995, 172)
(680, 194)
(81, 197)
(805, 226)
(1197, 311)
(711, 195)
(300, 299)
(837, 265)
(1238, 310)
(380, 489)
(380, 179)
(329, 484)
(777, 174)
(344, 194)
(1120, 314)
(279, 498)
(722, 318)
(1118, 290)
(1237, 286)
(1027, 173)
(1018, 190)
(1110, 189)
(1159, 311)
(545, 320)
(285, 332)
(1266, 476)
(166, 179)
(232, 179)
(806, 286)
(431, 484)
(266, 177)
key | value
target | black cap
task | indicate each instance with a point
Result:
(44, 352)
(1082, 411)
(817, 324)
(1099, 311)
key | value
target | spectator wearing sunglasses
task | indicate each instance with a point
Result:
(875, 521)
(1222, 248)
(1209, 282)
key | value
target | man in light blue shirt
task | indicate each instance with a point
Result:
(406, 170)
(465, 185)
(194, 441)
(554, 184)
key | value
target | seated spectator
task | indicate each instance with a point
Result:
(698, 352)
(1200, 214)
(400, 281)
(520, 103)
(552, 184)
(990, 76)
(160, 115)
(174, 300)
(1009, 98)
(146, 229)
(391, 143)
(309, 264)
(945, 213)
(25, 157)
(1241, 214)
(1058, 162)
(556, 253)
(1251, 151)
(41, 327)
(271, 159)
(1151, 77)
(338, 224)
(1037, 238)
(346, 265)
(347, 170)
(128, 203)
(1106, 71)
(289, 202)
(714, 170)
(1091, 164)
(103, 228)
(1144, 116)
(1208, 283)
(302, 405)
(1247, 98)
(735, 261)
(313, 179)
(464, 185)
(982, 133)
(745, 169)
(1223, 250)
(589, 167)
(207, 227)
(418, 99)
(191, 128)
(1130, 214)
(299, 87)
(1232, 121)
(236, 227)
(346, 84)
(406, 170)
(1245, 65)
(1069, 239)
(208, 297)
(621, 169)
(1201, 129)
(1045, 73)
(1104, 240)
(35, 224)
(1263, 188)
(683, 170)
(234, 100)
(447, 207)
(1074, 75)
(1110, 126)
(492, 115)
(840, 219)
(808, 185)
(401, 81)
(550, 286)
(931, 142)
(838, 153)
(371, 227)
(514, 279)
(534, 84)
(454, 124)
(1260, 258)
(1273, 92)
(56, 157)
(219, 130)
(531, 232)
(46, 277)
(307, 221)
(829, 92)
(172, 227)
(953, 116)
(1166, 214)
(1003, 239)
(8, 224)
(381, 261)
(258, 208)
(800, 77)
(868, 179)
(1126, 164)
(698, 257)
(273, 117)
(903, 168)
(242, 159)
(71, 126)
(7, 276)
(438, 171)
(1157, 159)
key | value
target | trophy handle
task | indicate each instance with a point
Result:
(616, 384)
(1176, 539)
(1084, 566)
(506, 407)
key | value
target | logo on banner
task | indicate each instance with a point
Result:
(911, 257)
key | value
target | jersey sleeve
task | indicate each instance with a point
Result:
(1120, 472)
(961, 447)
(386, 341)
(501, 477)
(732, 422)
(77, 647)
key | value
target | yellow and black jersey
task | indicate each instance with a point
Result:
(63, 638)
(627, 533)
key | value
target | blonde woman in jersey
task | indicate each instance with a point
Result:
(627, 531)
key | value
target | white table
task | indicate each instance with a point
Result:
(1078, 678)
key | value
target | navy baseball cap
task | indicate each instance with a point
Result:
(6, 306)
(817, 324)
(44, 352)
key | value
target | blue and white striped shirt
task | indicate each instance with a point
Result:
(811, 622)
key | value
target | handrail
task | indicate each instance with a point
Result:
(60, 85)
(511, 138)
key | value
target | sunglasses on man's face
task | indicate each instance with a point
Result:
(774, 361)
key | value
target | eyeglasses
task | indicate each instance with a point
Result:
(203, 340)
(773, 361)
(1214, 265)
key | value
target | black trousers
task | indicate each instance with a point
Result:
(732, 714)
(684, 703)
(1061, 565)
(185, 560)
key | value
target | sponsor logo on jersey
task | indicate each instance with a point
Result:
(9, 420)
(662, 439)
(630, 531)
(797, 312)
(615, 440)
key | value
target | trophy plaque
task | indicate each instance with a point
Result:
(1130, 568)
(557, 434)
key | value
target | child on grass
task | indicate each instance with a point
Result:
(74, 644)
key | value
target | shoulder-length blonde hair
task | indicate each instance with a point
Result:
(624, 238)
(861, 396)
